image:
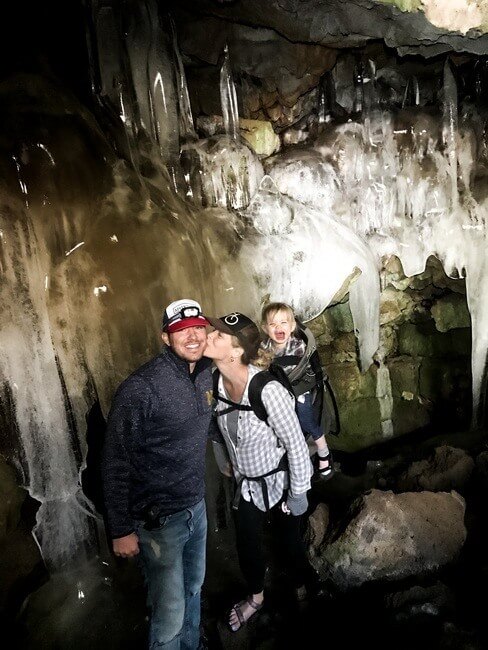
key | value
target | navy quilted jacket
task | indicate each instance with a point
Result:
(154, 452)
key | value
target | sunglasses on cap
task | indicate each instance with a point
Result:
(185, 312)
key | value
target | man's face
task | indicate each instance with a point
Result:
(187, 343)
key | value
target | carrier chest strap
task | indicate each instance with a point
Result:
(282, 467)
(233, 406)
(287, 360)
(305, 385)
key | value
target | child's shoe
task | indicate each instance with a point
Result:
(325, 468)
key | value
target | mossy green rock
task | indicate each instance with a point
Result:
(441, 379)
(423, 340)
(404, 377)
(360, 425)
(451, 312)
(260, 135)
(349, 383)
(409, 415)
(404, 5)
(339, 318)
(395, 306)
(341, 349)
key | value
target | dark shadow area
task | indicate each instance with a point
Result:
(91, 476)
(29, 574)
(102, 605)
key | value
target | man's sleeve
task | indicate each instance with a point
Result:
(214, 432)
(125, 422)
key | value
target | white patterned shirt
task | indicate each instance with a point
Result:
(294, 347)
(260, 446)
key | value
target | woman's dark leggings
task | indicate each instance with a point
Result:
(249, 522)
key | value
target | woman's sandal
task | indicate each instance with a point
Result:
(242, 619)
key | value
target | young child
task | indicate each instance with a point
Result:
(278, 323)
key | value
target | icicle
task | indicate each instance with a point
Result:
(358, 80)
(479, 76)
(134, 73)
(323, 112)
(450, 127)
(152, 77)
(411, 96)
(29, 366)
(416, 90)
(370, 92)
(186, 124)
(385, 400)
(372, 114)
(228, 98)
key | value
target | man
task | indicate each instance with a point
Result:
(153, 475)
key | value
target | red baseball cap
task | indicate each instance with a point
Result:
(182, 314)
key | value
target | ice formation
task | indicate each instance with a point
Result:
(222, 171)
(93, 244)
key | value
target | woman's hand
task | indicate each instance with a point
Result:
(298, 504)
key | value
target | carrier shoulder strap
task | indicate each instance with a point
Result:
(307, 374)
(233, 406)
(297, 373)
(254, 394)
(256, 385)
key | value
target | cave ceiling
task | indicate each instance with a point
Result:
(423, 27)
(281, 50)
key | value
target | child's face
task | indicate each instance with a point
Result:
(279, 327)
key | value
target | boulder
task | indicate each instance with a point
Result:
(318, 523)
(448, 468)
(258, 134)
(419, 601)
(391, 536)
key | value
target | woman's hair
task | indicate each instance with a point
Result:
(249, 339)
(272, 308)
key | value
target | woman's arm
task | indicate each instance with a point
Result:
(282, 418)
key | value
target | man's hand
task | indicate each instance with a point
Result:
(227, 470)
(127, 546)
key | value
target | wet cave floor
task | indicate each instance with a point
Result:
(102, 605)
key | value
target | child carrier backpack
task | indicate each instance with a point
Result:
(307, 376)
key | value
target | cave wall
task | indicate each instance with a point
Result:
(424, 356)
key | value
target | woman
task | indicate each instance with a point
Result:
(270, 460)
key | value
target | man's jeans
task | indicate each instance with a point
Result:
(173, 561)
